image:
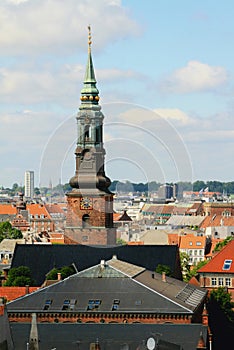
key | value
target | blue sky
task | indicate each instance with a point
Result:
(165, 72)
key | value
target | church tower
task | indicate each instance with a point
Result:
(90, 203)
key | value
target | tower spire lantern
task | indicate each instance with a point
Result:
(89, 92)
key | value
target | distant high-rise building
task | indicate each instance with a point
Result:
(29, 184)
(165, 191)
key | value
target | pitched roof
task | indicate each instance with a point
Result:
(12, 293)
(217, 264)
(38, 209)
(190, 241)
(33, 208)
(135, 288)
(64, 336)
(154, 237)
(7, 209)
(185, 220)
(9, 244)
(43, 258)
(54, 208)
(217, 220)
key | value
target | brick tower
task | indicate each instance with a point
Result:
(90, 203)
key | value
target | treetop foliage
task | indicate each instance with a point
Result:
(221, 244)
(19, 277)
(65, 272)
(7, 231)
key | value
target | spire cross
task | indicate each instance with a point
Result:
(89, 38)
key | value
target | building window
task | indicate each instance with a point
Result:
(227, 264)
(85, 220)
(93, 304)
(115, 305)
(228, 282)
(214, 281)
(200, 252)
(48, 302)
(220, 281)
(195, 252)
(190, 252)
(190, 243)
(66, 304)
(198, 243)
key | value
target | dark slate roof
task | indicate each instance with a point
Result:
(42, 258)
(65, 336)
(5, 334)
(97, 288)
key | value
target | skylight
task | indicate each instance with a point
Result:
(94, 304)
(227, 264)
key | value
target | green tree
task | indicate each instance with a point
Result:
(19, 277)
(223, 299)
(37, 191)
(185, 267)
(65, 272)
(163, 268)
(221, 244)
(7, 231)
(193, 272)
(198, 185)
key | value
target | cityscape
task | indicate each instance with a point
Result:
(116, 220)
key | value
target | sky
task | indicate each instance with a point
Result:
(165, 73)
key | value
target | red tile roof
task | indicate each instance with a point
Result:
(217, 220)
(173, 238)
(216, 264)
(7, 209)
(12, 293)
(54, 208)
(34, 209)
(190, 241)
(38, 209)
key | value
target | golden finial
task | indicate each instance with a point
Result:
(89, 38)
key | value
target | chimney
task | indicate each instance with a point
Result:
(152, 275)
(102, 264)
(27, 289)
(59, 277)
(164, 276)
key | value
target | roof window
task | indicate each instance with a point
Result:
(48, 302)
(69, 304)
(94, 304)
(227, 264)
(115, 305)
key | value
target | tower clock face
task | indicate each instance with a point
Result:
(86, 203)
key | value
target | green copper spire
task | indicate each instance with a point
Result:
(89, 93)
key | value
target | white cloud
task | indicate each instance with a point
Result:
(60, 85)
(195, 77)
(37, 26)
(174, 115)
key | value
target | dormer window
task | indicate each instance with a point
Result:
(226, 213)
(227, 264)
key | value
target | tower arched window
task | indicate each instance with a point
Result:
(85, 220)
(87, 132)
